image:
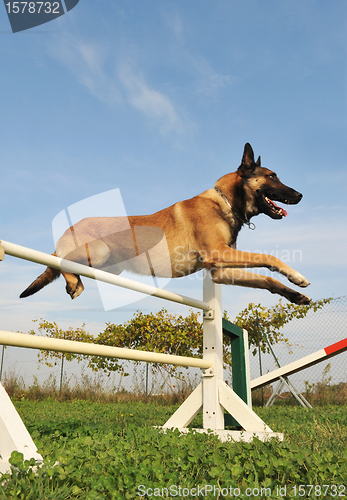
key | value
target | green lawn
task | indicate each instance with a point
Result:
(111, 450)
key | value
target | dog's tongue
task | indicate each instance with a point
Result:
(280, 209)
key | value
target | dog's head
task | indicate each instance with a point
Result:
(262, 188)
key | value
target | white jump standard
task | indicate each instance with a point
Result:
(212, 396)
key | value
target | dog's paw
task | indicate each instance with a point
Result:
(75, 289)
(302, 300)
(295, 297)
(298, 279)
(78, 291)
(299, 298)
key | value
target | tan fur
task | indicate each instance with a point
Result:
(183, 238)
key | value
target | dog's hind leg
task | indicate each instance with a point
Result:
(240, 277)
(92, 254)
(74, 286)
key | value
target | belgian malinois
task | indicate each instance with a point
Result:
(186, 237)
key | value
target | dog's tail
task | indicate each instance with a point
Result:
(43, 280)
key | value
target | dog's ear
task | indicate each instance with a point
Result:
(258, 162)
(248, 155)
(247, 164)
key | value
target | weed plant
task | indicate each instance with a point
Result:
(93, 388)
(90, 388)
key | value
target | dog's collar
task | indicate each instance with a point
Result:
(247, 222)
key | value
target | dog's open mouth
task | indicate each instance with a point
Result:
(275, 209)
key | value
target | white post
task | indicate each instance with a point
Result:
(213, 413)
(13, 434)
(213, 396)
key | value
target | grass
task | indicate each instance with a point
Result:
(107, 450)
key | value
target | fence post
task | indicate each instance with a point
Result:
(2, 361)
(61, 373)
(147, 380)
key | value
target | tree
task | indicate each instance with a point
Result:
(160, 332)
(51, 329)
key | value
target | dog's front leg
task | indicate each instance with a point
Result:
(230, 257)
(240, 277)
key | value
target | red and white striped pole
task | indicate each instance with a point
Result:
(300, 364)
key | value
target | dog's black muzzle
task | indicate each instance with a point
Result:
(288, 196)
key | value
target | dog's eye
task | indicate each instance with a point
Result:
(273, 177)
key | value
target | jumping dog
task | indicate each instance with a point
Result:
(188, 236)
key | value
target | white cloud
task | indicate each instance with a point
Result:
(86, 61)
(207, 82)
(175, 23)
(212, 83)
(150, 102)
(92, 65)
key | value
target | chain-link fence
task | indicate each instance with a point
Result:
(19, 367)
(316, 331)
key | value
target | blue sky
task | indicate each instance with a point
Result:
(157, 99)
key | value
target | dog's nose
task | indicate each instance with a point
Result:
(295, 198)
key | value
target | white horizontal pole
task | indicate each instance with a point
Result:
(96, 274)
(61, 345)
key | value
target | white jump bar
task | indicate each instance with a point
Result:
(61, 345)
(96, 274)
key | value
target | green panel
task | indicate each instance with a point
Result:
(235, 333)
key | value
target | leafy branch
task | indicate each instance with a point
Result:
(256, 319)
(175, 334)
